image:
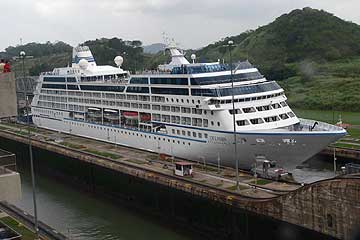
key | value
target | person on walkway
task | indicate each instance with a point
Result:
(7, 68)
(2, 64)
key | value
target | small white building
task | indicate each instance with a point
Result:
(183, 169)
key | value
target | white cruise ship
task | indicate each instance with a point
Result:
(183, 110)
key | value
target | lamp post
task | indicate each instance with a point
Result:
(229, 45)
(22, 56)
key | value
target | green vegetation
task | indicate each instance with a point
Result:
(313, 54)
(352, 118)
(354, 132)
(261, 181)
(26, 233)
(103, 154)
(346, 145)
(233, 188)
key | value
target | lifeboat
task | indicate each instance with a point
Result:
(130, 115)
(145, 117)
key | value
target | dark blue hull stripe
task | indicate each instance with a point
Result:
(254, 133)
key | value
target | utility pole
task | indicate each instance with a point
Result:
(22, 56)
(230, 45)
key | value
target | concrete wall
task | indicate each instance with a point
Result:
(10, 186)
(8, 105)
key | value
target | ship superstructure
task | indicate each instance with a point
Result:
(182, 109)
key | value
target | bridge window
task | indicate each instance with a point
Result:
(54, 79)
(170, 91)
(169, 81)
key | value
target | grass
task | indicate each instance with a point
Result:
(354, 132)
(352, 118)
(103, 154)
(347, 145)
(26, 233)
(261, 181)
(233, 188)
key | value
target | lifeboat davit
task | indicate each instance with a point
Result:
(130, 115)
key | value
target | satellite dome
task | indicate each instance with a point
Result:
(83, 63)
(193, 57)
(118, 60)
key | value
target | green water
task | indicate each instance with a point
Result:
(80, 215)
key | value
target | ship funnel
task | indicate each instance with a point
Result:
(82, 53)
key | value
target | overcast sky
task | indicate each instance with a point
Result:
(193, 23)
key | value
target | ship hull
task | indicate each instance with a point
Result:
(286, 149)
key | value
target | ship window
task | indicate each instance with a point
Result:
(170, 91)
(156, 117)
(204, 92)
(186, 120)
(249, 110)
(242, 122)
(276, 106)
(185, 110)
(200, 135)
(237, 111)
(283, 116)
(256, 121)
(129, 97)
(196, 111)
(139, 80)
(218, 123)
(264, 87)
(54, 86)
(137, 89)
(54, 79)
(206, 122)
(194, 134)
(175, 119)
(165, 108)
(102, 88)
(170, 81)
(156, 107)
(205, 135)
(189, 133)
(166, 118)
(226, 78)
(212, 123)
(175, 109)
(173, 131)
(183, 132)
(291, 114)
(284, 104)
(272, 119)
(71, 79)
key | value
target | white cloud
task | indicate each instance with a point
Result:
(193, 23)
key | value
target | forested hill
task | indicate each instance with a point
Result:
(306, 34)
(313, 54)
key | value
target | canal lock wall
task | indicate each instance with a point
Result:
(325, 207)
